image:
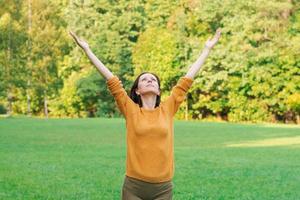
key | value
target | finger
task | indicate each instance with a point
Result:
(218, 32)
(217, 35)
(71, 33)
(74, 35)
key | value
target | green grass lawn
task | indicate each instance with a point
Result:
(85, 159)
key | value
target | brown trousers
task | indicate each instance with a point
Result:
(134, 189)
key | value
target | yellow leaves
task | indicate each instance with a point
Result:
(64, 105)
(155, 52)
(43, 62)
(5, 20)
(293, 102)
(270, 9)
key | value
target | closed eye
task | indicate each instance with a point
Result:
(151, 78)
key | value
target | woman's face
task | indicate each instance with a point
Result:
(148, 84)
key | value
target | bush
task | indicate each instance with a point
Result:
(293, 103)
(2, 109)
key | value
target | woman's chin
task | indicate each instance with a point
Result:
(154, 92)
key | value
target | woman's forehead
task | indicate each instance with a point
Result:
(147, 75)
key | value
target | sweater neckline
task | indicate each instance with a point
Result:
(149, 110)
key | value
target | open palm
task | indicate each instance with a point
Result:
(83, 44)
(210, 43)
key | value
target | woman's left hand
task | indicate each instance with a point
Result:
(210, 43)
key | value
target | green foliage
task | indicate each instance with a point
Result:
(69, 103)
(155, 52)
(92, 92)
(252, 74)
(2, 109)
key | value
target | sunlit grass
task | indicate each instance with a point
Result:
(281, 125)
(284, 141)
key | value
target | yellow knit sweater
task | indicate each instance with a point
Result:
(149, 133)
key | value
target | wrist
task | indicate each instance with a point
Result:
(86, 49)
(207, 47)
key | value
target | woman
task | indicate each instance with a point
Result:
(149, 126)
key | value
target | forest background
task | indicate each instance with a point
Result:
(251, 75)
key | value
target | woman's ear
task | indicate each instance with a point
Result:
(136, 91)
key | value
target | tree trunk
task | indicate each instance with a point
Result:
(28, 103)
(45, 104)
(219, 116)
(8, 75)
(287, 12)
(29, 61)
(9, 100)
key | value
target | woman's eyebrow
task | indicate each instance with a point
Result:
(146, 77)
(151, 77)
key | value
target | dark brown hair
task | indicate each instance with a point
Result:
(137, 98)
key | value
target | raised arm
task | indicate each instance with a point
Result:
(104, 71)
(210, 43)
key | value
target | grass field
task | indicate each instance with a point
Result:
(85, 159)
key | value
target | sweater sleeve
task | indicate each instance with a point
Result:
(178, 94)
(115, 87)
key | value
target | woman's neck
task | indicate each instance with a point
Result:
(149, 101)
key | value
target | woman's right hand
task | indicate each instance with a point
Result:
(83, 44)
